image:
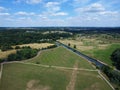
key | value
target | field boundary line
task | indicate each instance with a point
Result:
(106, 80)
(42, 65)
(1, 70)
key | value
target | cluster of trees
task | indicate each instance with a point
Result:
(73, 46)
(22, 54)
(5, 47)
(115, 57)
(16, 37)
(49, 47)
(113, 75)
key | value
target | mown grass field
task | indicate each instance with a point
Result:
(93, 48)
(19, 76)
(29, 77)
(61, 57)
(93, 82)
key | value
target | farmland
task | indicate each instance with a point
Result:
(49, 73)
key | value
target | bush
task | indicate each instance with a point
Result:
(114, 76)
(17, 47)
(37, 62)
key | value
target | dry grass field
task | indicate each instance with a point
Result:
(85, 44)
(6, 53)
(37, 45)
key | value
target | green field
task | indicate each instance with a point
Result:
(93, 47)
(104, 54)
(93, 82)
(18, 76)
(61, 57)
(28, 75)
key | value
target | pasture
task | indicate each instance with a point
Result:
(60, 57)
(48, 74)
(29, 77)
(93, 82)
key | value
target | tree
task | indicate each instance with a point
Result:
(22, 54)
(68, 44)
(74, 46)
(17, 47)
(6, 47)
(115, 57)
(12, 57)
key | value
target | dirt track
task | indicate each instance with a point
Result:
(71, 85)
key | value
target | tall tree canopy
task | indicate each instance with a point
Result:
(115, 57)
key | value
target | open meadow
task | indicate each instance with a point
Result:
(60, 57)
(54, 69)
(94, 47)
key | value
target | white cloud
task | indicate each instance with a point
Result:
(93, 8)
(4, 14)
(52, 6)
(25, 13)
(53, 9)
(33, 1)
(28, 1)
(77, 3)
(60, 14)
(109, 13)
(2, 9)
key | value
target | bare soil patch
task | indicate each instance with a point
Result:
(34, 85)
(94, 86)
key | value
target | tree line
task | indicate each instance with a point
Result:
(113, 75)
(16, 37)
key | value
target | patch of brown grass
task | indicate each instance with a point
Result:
(36, 45)
(4, 54)
(80, 44)
(34, 85)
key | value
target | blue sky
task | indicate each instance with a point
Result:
(32, 13)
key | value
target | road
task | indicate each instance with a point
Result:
(92, 60)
